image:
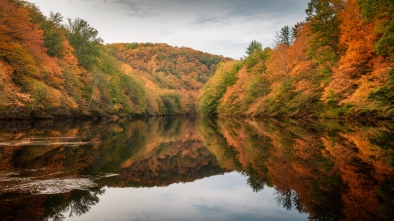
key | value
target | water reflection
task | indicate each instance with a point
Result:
(329, 170)
(333, 170)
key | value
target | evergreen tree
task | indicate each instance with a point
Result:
(254, 47)
(285, 35)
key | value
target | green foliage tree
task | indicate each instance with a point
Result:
(324, 26)
(385, 95)
(171, 103)
(216, 86)
(381, 11)
(253, 47)
(54, 35)
(254, 53)
(85, 41)
(285, 35)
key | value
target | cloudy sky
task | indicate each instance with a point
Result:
(224, 27)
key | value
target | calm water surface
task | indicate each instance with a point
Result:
(186, 168)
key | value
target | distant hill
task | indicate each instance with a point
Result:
(172, 76)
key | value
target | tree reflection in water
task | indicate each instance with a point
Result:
(289, 200)
(324, 168)
(77, 203)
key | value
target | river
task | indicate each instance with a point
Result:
(196, 168)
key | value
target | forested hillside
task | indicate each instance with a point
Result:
(56, 67)
(337, 63)
(172, 77)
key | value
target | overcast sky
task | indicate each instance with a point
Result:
(223, 27)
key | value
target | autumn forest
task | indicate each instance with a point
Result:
(338, 63)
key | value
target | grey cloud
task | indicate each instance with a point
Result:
(206, 19)
(213, 11)
(254, 8)
(135, 8)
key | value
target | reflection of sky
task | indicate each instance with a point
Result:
(223, 197)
